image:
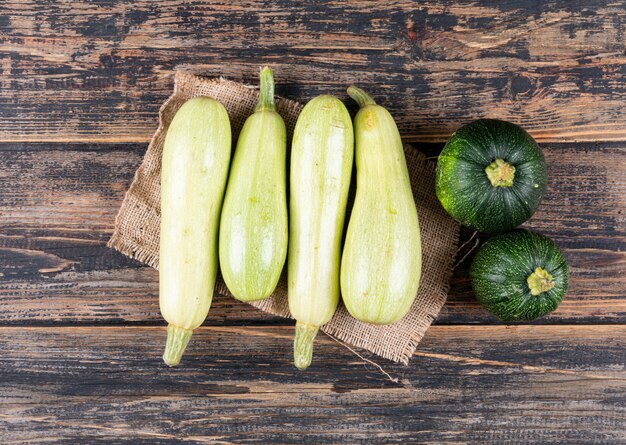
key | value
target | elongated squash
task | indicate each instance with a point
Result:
(253, 227)
(196, 156)
(382, 256)
(321, 165)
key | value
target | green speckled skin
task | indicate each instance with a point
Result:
(462, 185)
(253, 226)
(322, 155)
(382, 256)
(196, 156)
(500, 270)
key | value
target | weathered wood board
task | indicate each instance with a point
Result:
(58, 204)
(490, 385)
(98, 71)
(81, 83)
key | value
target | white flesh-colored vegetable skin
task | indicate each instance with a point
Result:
(382, 256)
(196, 157)
(322, 154)
(254, 227)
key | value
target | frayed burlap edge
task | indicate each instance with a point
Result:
(137, 236)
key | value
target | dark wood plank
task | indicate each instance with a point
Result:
(57, 211)
(58, 206)
(490, 385)
(82, 70)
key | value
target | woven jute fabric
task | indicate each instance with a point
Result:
(137, 224)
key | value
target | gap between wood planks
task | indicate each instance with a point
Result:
(547, 138)
(276, 322)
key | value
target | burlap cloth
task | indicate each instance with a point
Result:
(137, 224)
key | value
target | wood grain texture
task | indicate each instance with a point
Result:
(81, 70)
(58, 204)
(489, 385)
(80, 331)
(57, 210)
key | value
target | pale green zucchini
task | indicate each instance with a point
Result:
(382, 256)
(196, 156)
(322, 153)
(253, 226)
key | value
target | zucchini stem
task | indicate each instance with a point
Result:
(539, 281)
(177, 340)
(303, 344)
(500, 173)
(360, 96)
(266, 95)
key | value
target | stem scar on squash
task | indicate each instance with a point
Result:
(539, 281)
(500, 173)
(369, 118)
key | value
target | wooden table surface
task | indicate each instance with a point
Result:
(81, 336)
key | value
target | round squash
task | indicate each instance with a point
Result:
(519, 276)
(491, 176)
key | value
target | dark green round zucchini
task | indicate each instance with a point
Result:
(519, 276)
(491, 176)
